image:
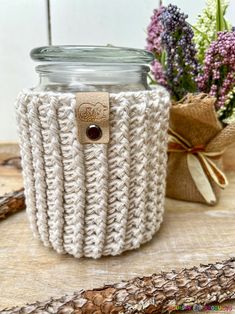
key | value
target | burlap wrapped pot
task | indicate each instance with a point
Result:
(197, 141)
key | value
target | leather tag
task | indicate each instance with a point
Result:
(92, 113)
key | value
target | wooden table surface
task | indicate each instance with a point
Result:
(190, 234)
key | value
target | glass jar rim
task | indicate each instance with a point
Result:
(92, 54)
(72, 67)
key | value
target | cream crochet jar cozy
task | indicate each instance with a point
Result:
(94, 199)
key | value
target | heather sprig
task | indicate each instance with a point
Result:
(154, 45)
(170, 39)
(158, 73)
(181, 66)
(154, 32)
(218, 77)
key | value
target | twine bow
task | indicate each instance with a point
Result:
(200, 164)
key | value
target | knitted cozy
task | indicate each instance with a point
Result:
(94, 199)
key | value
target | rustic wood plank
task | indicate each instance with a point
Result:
(8, 150)
(190, 234)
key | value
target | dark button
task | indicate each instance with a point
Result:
(94, 132)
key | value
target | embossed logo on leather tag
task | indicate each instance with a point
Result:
(92, 114)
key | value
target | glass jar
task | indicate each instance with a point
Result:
(93, 139)
(91, 68)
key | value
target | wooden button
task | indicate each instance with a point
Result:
(94, 132)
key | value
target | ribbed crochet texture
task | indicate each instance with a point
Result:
(94, 199)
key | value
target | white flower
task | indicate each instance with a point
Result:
(205, 28)
(227, 112)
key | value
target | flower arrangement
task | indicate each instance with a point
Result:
(199, 58)
(196, 63)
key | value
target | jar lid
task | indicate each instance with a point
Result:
(92, 54)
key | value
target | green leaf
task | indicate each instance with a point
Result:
(220, 21)
(203, 34)
(225, 9)
(151, 80)
(163, 59)
(227, 28)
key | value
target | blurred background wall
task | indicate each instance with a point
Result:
(25, 24)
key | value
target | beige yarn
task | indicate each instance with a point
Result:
(94, 199)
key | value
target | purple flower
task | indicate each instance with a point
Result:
(181, 63)
(158, 73)
(218, 77)
(154, 32)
